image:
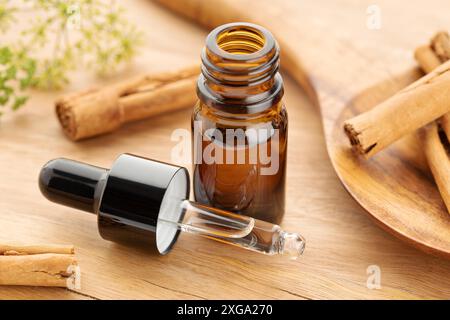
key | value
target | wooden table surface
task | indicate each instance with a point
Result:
(342, 241)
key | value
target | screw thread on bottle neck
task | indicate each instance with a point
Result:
(240, 66)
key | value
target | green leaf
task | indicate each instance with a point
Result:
(29, 66)
(11, 72)
(45, 50)
(25, 83)
(4, 99)
(18, 102)
(7, 90)
(5, 55)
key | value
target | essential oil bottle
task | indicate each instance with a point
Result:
(240, 124)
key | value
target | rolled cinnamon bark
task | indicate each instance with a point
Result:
(436, 150)
(440, 44)
(430, 57)
(37, 265)
(18, 249)
(438, 160)
(47, 269)
(411, 108)
(98, 111)
(427, 58)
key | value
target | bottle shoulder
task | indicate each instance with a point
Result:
(275, 117)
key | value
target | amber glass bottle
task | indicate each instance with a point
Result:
(239, 125)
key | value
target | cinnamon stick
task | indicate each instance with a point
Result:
(37, 265)
(17, 249)
(427, 58)
(438, 160)
(97, 111)
(411, 108)
(430, 57)
(436, 145)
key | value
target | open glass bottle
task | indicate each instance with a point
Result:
(240, 124)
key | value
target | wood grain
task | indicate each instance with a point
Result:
(341, 241)
(347, 68)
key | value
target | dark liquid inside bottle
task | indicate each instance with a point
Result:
(255, 186)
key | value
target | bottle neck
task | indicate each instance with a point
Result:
(240, 64)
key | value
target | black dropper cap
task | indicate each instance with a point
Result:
(129, 199)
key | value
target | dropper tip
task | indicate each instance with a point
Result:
(293, 245)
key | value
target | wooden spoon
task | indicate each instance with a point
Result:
(349, 56)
